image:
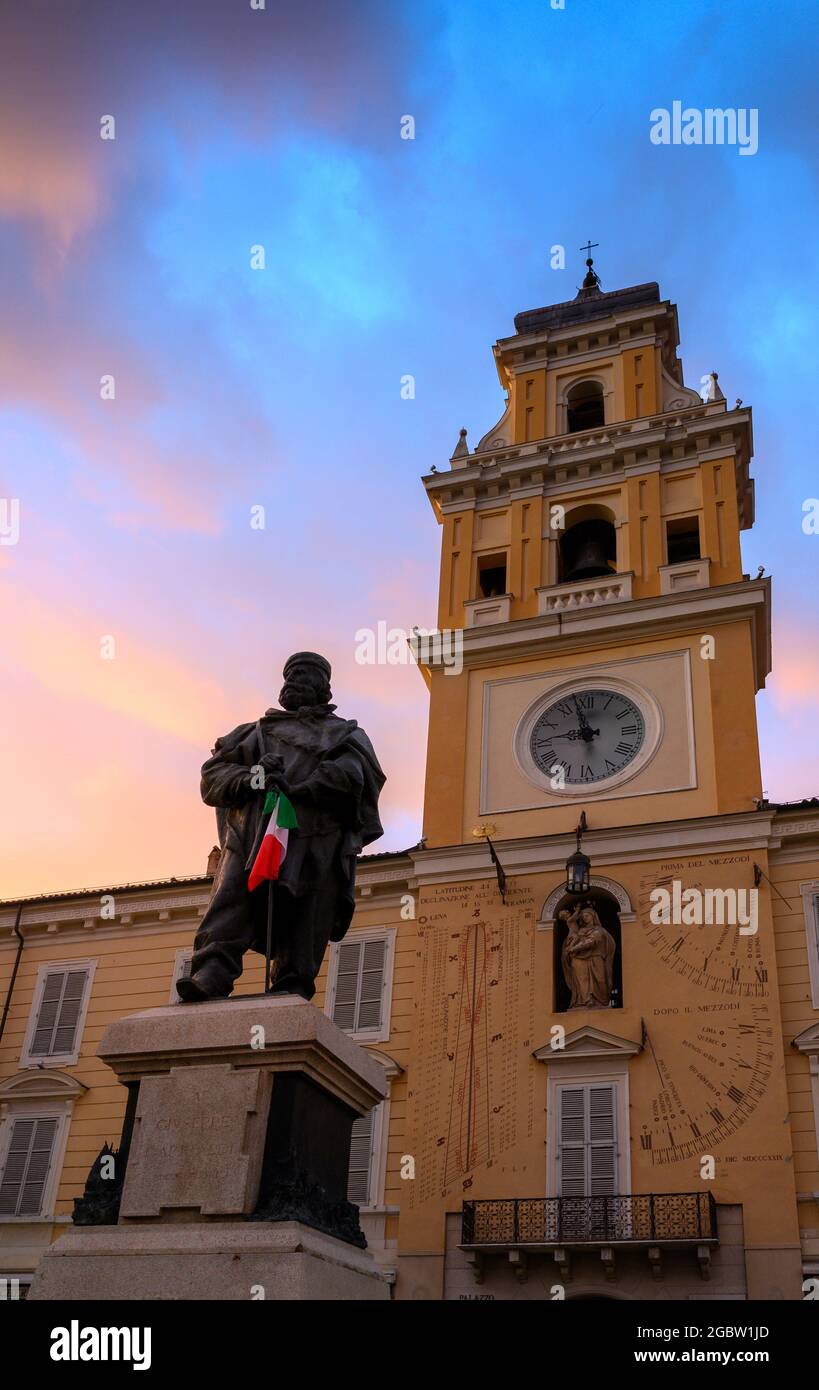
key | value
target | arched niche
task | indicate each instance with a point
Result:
(599, 967)
(585, 406)
(587, 546)
(607, 885)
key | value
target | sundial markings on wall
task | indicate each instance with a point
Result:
(466, 1092)
(722, 1065)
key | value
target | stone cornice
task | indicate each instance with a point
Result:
(676, 839)
(617, 450)
(667, 614)
(135, 912)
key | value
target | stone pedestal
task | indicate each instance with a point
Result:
(230, 1180)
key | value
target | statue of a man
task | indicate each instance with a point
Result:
(587, 958)
(327, 769)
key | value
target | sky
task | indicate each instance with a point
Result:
(144, 609)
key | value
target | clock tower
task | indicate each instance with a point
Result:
(591, 556)
(596, 1080)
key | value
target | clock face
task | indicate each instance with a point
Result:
(592, 735)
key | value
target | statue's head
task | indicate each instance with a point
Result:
(306, 681)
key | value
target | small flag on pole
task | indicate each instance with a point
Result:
(499, 870)
(273, 847)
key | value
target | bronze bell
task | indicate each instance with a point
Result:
(588, 560)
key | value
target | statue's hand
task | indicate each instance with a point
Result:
(273, 764)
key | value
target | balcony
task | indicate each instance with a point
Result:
(558, 1225)
(481, 612)
(584, 593)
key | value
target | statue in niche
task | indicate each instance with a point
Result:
(587, 958)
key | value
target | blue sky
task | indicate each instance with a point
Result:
(282, 388)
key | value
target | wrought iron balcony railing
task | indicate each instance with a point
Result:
(556, 1221)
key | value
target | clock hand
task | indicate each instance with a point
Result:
(586, 732)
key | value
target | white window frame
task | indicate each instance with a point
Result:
(810, 895)
(586, 1072)
(59, 1110)
(57, 1059)
(182, 954)
(387, 934)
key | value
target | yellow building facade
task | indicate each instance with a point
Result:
(611, 1095)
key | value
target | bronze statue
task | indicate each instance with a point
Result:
(587, 958)
(328, 770)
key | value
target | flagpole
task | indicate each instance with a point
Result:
(269, 943)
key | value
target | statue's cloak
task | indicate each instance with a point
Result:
(332, 777)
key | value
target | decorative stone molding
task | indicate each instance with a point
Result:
(606, 885)
(589, 1042)
(40, 1083)
(391, 1067)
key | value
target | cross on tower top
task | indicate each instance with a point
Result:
(592, 279)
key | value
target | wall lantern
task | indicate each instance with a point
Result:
(578, 865)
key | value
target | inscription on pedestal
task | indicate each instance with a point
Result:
(198, 1143)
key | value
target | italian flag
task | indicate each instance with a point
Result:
(273, 848)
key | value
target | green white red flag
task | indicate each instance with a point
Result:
(273, 847)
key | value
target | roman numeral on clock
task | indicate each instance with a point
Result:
(624, 748)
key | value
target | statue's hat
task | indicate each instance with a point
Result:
(308, 659)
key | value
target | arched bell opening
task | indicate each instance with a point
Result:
(585, 409)
(588, 550)
(588, 968)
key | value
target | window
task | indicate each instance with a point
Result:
(587, 1156)
(27, 1165)
(359, 1179)
(358, 986)
(683, 539)
(584, 407)
(810, 903)
(491, 576)
(181, 968)
(58, 1013)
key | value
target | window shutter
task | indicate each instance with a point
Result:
(61, 1003)
(372, 984)
(588, 1143)
(572, 1142)
(361, 1152)
(344, 1004)
(27, 1165)
(602, 1142)
(358, 1003)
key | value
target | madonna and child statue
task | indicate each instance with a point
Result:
(587, 958)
